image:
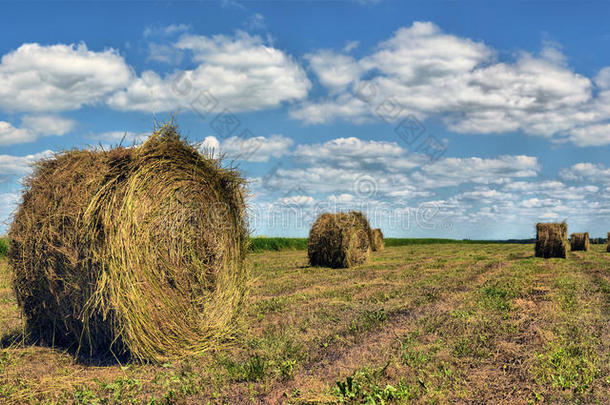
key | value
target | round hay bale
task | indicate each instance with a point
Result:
(378, 243)
(133, 251)
(579, 241)
(608, 242)
(338, 241)
(551, 240)
(364, 223)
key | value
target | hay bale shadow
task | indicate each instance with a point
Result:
(12, 339)
(20, 340)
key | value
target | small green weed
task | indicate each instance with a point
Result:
(85, 396)
(124, 390)
(364, 387)
(368, 320)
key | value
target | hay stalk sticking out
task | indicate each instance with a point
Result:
(579, 241)
(134, 251)
(551, 240)
(378, 243)
(339, 240)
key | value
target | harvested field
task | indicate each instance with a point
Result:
(436, 323)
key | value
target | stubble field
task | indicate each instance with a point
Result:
(430, 323)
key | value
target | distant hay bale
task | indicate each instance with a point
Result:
(375, 242)
(338, 240)
(551, 240)
(378, 243)
(579, 241)
(132, 251)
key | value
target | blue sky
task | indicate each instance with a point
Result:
(507, 104)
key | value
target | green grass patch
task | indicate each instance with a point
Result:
(368, 320)
(263, 244)
(498, 295)
(568, 364)
(365, 387)
(3, 247)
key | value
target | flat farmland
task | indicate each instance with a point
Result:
(429, 323)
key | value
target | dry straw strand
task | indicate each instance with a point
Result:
(339, 240)
(551, 240)
(579, 241)
(131, 251)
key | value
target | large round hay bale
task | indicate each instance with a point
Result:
(338, 241)
(608, 243)
(378, 243)
(551, 240)
(132, 251)
(579, 241)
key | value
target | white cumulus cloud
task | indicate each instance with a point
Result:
(126, 138)
(249, 149)
(297, 200)
(10, 135)
(21, 165)
(257, 148)
(355, 153)
(241, 73)
(455, 171)
(32, 127)
(38, 78)
(425, 72)
(48, 124)
(595, 172)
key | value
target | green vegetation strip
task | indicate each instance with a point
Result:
(3, 247)
(431, 241)
(264, 244)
